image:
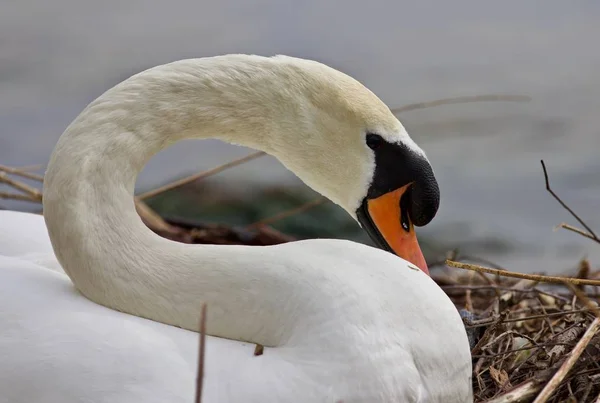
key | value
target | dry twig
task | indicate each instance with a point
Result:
(31, 191)
(533, 277)
(590, 233)
(201, 175)
(22, 173)
(462, 100)
(201, 355)
(18, 196)
(288, 213)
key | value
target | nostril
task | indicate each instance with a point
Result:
(425, 198)
(405, 202)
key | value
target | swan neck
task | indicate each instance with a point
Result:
(96, 233)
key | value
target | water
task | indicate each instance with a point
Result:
(55, 57)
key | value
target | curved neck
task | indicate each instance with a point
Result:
(100, 240)
(98, 237)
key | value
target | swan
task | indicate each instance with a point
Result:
(339, 321)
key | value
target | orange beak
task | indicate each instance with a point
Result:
(395, 228)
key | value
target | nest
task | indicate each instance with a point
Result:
(530, 337)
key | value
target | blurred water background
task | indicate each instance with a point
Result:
(57, 56)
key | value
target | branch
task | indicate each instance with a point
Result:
(31, 191)
(288, 213)
(519, 393)
(576, 230)
(201, 354)
(534, 277)
(201, 175)
(151, 218)
(591, 234)
(22, 173)
(462, 100)
(18, 196)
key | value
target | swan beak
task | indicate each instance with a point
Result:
(387, 222)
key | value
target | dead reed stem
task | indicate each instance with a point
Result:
(534, 277)
(462, 100)
(588, 303)
(18, 196)
(590, 233)
(151, 218)
(288, 213)
(576, 230)
(201, 355)
(31, 191)
(519, 394)
(201, 175)
(22, 173)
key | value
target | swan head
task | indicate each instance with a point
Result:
(346, 144)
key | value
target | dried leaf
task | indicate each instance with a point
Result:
(500, 377)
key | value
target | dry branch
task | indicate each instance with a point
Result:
(576, 230)
(201, 175)
(533, 277)
(288, 213)
(590, 233)
(18, 196)
(201, 355)
(462, 100)
(31, 191)
(22, 173)
(152, 219)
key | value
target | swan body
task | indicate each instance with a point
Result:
(340, 321)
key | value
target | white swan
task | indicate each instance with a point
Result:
(340, 321)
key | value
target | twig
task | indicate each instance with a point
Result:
(462, 100)
(31, 191)
(533, 277)
(568, 364)
(516, 350)
(576, 230)
(18, 196)
(288, 213)
(201, 352)
(588, 303)
(201, 175)
(151, 218)
(518, 394)
(562, 203)
(259, 349)
(30, 167)
(21, 173)
(500, 288)
(482, 323)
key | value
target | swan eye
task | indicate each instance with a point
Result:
(374, 141)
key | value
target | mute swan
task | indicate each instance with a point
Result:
(340, 321)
